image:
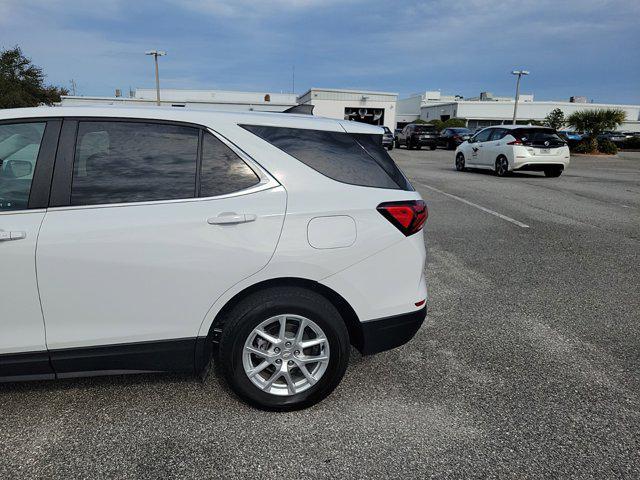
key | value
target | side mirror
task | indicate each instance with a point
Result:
(17, 168)
(472, 140)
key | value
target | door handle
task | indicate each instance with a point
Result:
(231, 218)
(8, 236)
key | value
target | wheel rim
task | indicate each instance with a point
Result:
(286, 355)
(503, 166)
(459, 162)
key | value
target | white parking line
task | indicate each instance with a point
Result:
(479, 207)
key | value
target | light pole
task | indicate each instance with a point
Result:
(519, 73)
(156, 54)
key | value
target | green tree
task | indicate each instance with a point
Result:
(555, 119)
(451, 123)
(594, 122)
(22, 83)
(455, 122)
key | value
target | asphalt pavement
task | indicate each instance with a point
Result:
(528, 365)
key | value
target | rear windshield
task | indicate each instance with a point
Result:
(424, 128)
(538, 136)
(462, 131)
(357, 159)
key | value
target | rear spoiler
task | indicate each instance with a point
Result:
(300, 109)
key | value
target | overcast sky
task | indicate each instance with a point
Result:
(572, 47)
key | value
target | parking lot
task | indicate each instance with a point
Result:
(527, 365)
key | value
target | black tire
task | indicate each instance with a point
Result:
(397, 144)
(460, 163)
(433, 147)
(501, 167)
(254, 309)
(409, 144)
(419, 147)
(390, 147)
(553, 171)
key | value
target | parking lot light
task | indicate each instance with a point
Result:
(519, 73)
(156, 54)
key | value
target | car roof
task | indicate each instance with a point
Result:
(512, 127)
(199, 116)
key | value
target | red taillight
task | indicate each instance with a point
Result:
(517, 141)
(408, 216)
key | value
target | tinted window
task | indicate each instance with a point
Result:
(424, 128)
(19, 147)
(222, 170)
(373, 147)
(118, 162)
(498, 133)
(337, 155)
(538, 136)
(483, 136)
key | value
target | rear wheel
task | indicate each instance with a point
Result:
(285, 348)
(460, 163)
(390, 147)
(553, 171)
(433, 147)
(502, 166)
(397, 144)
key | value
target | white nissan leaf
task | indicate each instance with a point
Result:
(506, 148)
(156, 240)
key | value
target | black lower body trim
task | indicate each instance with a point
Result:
(391, 332)
(155, 356)
(25, 366)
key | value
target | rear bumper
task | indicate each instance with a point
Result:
(390, 332)
(540, 163)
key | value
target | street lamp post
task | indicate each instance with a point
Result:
(156, 54)
(519, 73)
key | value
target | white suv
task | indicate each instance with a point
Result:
(145, 240)
(506, 148)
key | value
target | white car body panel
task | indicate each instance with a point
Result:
(21, 323)
(152, 271)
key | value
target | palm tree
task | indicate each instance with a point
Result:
(594, 122)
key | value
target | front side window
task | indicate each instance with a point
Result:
(122, 162)
(222, 170)
(498, 133)
(484, 135)
(348, 158)
(19, 148)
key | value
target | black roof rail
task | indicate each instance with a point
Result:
(304, 109)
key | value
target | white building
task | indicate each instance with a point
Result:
(487, 109)
(408, 109)
(195, 99)
(376, 108)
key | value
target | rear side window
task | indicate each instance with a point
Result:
(121, 162)
(355, 159)
(222, 170)
(19, 147)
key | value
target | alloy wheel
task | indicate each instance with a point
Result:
(502, 167)
(286, 354)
